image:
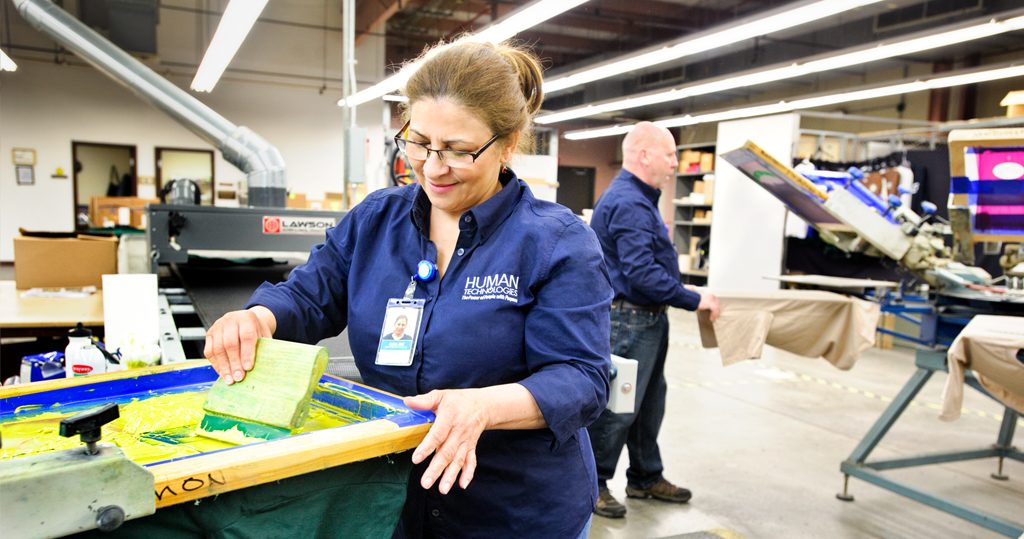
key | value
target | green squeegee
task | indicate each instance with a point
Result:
(273, 399)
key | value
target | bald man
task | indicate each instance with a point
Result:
(644, 272)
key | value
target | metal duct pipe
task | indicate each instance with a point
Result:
(263, 164)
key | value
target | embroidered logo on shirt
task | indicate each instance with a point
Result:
(497, 286)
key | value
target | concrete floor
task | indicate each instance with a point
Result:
(759, 443)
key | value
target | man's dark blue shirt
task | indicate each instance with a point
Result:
(525, 299)
(642, 262)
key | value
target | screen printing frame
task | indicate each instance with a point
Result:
(959, 201)
(840, 218)
(198, 476)
(797, 193)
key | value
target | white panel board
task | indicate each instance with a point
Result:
(130, 310)
(748, 222)
(540, 172)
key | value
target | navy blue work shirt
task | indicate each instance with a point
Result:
(525, 299)
(642, 262)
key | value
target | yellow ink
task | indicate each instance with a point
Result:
(232, 436)
(163, 426)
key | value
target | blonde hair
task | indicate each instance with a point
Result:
(500, 84)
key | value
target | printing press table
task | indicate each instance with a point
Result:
(844, 327)
(948, 311)
(303, 485)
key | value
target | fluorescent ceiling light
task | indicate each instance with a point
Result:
(754, 27)
(395, 98)
(847, 58)
(975, 76)
(509, 26)
(234, 25)
(6, 64)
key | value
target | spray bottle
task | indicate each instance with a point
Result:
(82, 357)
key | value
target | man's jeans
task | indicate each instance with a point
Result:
(643, 336)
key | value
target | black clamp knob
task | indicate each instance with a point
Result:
(88, 424)
(176, 222)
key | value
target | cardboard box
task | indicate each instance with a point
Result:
(119, 211)
(225, 195)
(707, 162)
(57, 262)
(1014, 103)
(333, 201)
(689, 161)
(298, 201)
(884, 340)
(709, 190)
(689, 156)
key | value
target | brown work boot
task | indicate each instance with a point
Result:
(662, 490)
(607, 505)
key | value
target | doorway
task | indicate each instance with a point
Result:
(100, 170)
(576, 188)
(186, 163)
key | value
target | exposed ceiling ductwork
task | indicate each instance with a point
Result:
(263, 164)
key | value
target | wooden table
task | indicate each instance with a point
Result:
(33, 317)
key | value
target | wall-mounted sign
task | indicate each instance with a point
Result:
(23, 156)
(26, 174)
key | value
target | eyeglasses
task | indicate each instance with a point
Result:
(452, 158)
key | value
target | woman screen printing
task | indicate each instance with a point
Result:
(511, 335)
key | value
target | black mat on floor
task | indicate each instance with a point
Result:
(217, 287)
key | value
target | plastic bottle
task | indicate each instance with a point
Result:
(81, 357)
(77, 338)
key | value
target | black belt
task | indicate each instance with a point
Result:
(620, 303)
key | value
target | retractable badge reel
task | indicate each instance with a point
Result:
(399, 335)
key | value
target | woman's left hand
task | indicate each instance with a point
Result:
(461, 417)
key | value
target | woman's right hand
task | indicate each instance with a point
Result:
(231, 341)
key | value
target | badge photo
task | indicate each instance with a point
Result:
(399, 333)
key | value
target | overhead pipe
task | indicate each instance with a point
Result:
(262, 162)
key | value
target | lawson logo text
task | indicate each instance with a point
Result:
(273, 224)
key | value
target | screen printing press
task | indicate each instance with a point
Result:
(217, 257)
(178, 231)
(986, 205)
(51, 485)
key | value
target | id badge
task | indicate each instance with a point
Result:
(400, 333)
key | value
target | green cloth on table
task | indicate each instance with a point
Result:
(362, 499)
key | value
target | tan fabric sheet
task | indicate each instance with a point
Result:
(809, 323)
(988, 346)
